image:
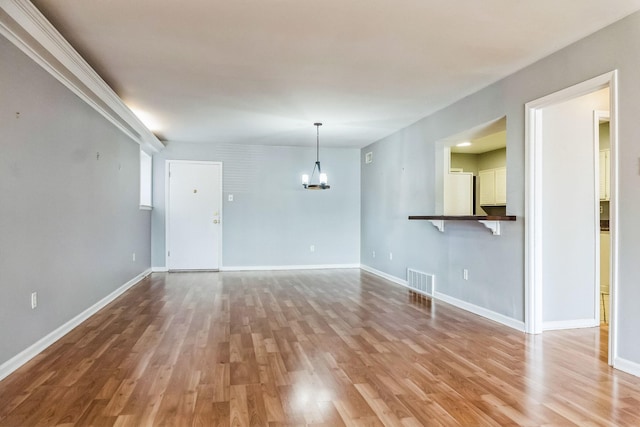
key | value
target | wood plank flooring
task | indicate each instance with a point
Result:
(317, 348)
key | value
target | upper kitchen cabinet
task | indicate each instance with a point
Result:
(493, 187)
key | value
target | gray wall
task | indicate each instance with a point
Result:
(605, 138)
(69, 223)
(273, 221)
(492, 159)
(401, 180)
(468, 162)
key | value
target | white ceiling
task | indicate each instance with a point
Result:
(262, 71)
(483, 145)
(483, 138)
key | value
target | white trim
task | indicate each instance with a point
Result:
(288, 267)
(167, 167)
(570, 324)
(533, 199)
(472, 308)
(614, 231)
(159, 269)
(167, 174)
(36, 348)
(384, 275)
(627, 366)
(33, 34)
(481, 311)
(533, 251)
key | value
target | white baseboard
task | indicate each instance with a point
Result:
(480, 311)
(569, 324)
(36, 348)
(384, 275)
(288, 267)
(627, 366)
(159, 269)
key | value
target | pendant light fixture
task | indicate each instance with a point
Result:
(322, 177)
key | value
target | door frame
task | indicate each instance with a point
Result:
(168, 201)
(533, 200)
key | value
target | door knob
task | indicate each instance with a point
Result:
(215, 221)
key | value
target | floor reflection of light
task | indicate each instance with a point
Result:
(304, 395)
(324, 395)
(534, 368)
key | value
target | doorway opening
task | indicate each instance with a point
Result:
(471, 172)
(563, 202)
(602, 135)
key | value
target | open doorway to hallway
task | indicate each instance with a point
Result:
(602, 135)
(566, 181)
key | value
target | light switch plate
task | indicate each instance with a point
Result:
(368, 158)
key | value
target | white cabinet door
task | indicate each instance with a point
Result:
(493, 187)
(604, 167)
(487, 187)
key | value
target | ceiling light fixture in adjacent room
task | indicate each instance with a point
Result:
(464, 144)
(322, 177)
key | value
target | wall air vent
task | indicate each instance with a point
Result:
(421, 282)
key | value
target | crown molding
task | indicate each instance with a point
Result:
(23, 24)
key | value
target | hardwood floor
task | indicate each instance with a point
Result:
(331, 348)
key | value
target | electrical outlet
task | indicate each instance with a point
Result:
(601, 209)
(312, 248)
(373, 254)
(34, 300)
(465, 274)
(230, 197)
(390, 256)
(133, 257)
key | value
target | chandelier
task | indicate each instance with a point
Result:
(322, 177)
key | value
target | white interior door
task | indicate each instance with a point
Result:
(194, 215)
